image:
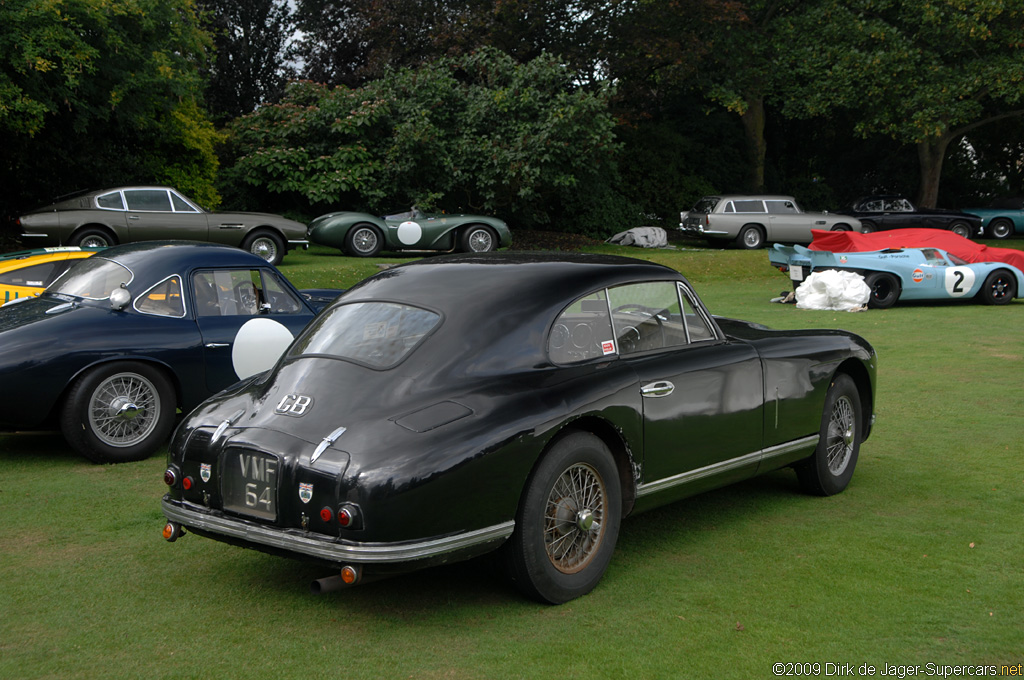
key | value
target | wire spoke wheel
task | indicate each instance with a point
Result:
(124, 409)
(841, 435)
(574, 518)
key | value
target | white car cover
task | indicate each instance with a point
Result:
(833, 290)
(643, 237)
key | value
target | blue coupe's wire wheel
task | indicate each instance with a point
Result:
(124, 409)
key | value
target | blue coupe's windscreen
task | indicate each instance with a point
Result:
(92, 278)
(379, 334)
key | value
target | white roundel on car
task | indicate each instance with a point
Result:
(257, 346)
(409, 233)
(959, 281)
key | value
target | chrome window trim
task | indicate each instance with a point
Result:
(181, 286)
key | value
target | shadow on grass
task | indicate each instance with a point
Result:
(29, 446)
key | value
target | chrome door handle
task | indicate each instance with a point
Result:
(659, 388)
(215, 345)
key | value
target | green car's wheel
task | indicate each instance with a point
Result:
(363, 240)
(830, 468)
(568, 521)
(1000, 288)
(478, 239)
(119, 412)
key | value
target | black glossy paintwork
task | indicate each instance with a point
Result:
(444, 442)
(47, 342)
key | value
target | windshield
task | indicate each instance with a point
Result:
(93, 278)
(377, 334)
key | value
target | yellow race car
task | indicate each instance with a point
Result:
(27, 273)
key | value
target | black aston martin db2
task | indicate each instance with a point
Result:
(521, 403)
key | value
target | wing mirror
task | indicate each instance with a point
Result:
(119, 298)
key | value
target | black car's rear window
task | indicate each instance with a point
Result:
(378, 334)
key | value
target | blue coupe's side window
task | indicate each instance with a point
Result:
(163, 299)
(378, 334)
(583, 331)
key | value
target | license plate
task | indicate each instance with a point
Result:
(796, 273)
(250, 483)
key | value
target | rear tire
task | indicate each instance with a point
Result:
(568, 521)
(1000, 288)
(478, 239)
(885, 290)
(119, 412)
(829, 470)
(751, 237)
(868, 227)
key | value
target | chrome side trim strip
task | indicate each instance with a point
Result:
(725, 466)
(325, 547)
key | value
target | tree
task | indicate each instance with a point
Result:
(249, 66)
(924, 72)
(81, 105)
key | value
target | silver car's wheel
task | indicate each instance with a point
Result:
(479, 240)
(751, 237)
(265, 245)
(363, 240)
(119, 412)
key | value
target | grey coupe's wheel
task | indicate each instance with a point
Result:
(841, 227)
(829, 470)
(92, 238)
(885, 290)
(478, 239)
(119, 412)
(751, 237)
(1000, 288)
(266, 245)
(568, 521)
(1000, 228)
(363, 240)
(961, 229)
(868, 227)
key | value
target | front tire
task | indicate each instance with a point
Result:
(829, 469)
(478, 239)
(961, 229)
(751, 237)
(885, 290)
(868, 227)
(363, 240)
(568, 521)
(1000, 288)
(119, 412)
(1000, 228)
(266, 245)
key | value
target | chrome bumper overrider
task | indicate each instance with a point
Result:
(326, 547)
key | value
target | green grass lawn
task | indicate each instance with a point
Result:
(919, 561)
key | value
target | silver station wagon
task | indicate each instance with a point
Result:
(753, 221)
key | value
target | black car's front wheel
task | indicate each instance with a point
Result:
(829, 470)
(266, 245)
(119, 412)
(363, 240)
(868, 227)
(568, 521)
(961, 229)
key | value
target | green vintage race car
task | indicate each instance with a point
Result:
(364, 235)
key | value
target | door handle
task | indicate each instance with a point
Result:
(133, 217)
(659, 388)
(215, 345)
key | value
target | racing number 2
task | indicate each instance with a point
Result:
(959, 281)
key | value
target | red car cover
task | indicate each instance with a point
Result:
(964, 248)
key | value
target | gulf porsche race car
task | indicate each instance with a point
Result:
(462, 404)
(27, 273)
(895, 274)
(365, 235)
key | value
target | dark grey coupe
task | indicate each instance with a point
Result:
(127, 214)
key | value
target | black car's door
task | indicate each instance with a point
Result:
(225, 300)
(701, 394)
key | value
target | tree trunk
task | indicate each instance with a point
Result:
(930, 154)
(753, 125)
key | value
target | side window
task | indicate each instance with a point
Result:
(229, 292)
(729, 207)
(163, 299)
(280, 299)
(750, 206)
(582, 331)
(149, 200)
(873, 206)
(781, 207)
(180, 204)
(647, 317)
(111, 201)
(697, 327)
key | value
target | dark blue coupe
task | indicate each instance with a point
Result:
(115, 347)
